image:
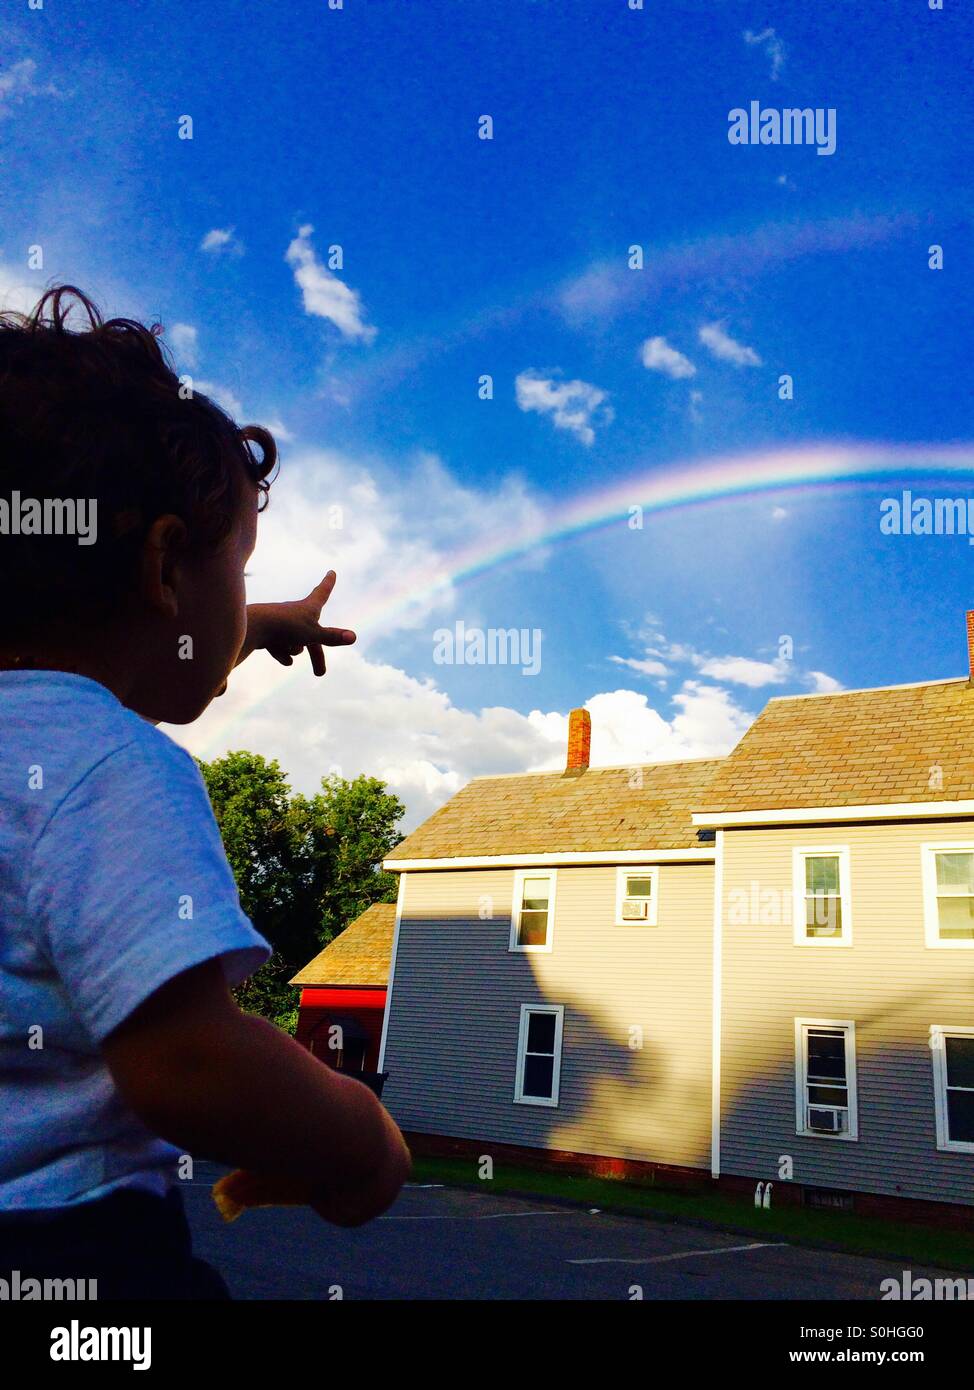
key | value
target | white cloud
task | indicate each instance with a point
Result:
(718, 342)
(392, 554)
(659, 356)
(773, 47)
(739, 670)
(742, 670)
(279, 430)
(371, 717)
(571, 404)
(324, 294)
(627, 730)
(223, 396)
(221, 241)
(19, 290)
(709, 722)
(368, 717)
(17, 84)
(645, 668)
(779, 513)
(391, 531)
(823, 684)
(184, 340)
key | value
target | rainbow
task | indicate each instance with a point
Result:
(815, 467)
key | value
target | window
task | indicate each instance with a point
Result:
(953, 1075)
(533, 910)
(948, 894)
(822, 911)
(636, 896)
(825, 1078)
(539, 1054)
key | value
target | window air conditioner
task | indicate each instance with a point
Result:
(826, 1121)
(635, 910)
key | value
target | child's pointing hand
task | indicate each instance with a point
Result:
(285, 629)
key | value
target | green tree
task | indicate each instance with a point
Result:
(357, 822)
(305, 866)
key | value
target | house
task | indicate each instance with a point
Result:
(343, 994)
(753, 969)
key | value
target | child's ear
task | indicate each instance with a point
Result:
(161, 548)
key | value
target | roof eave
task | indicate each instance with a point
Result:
(796, 815)
(690, 855)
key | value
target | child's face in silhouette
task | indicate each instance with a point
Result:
(197, 617)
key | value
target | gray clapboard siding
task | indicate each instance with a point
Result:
(888, 982)
(452, 1035)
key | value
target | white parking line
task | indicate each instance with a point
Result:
(681, 1254)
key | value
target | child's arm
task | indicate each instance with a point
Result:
(223, 1085)
(284, 629)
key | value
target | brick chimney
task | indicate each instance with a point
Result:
(970, 649)
(580, 740)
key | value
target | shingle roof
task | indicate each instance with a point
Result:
(854, 748)
(359, 955)
(550, 813)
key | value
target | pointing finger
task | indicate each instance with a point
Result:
(321, 592)
(334, 636)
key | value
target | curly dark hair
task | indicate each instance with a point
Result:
(101, 414)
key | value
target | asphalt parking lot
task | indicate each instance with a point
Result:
(448, 1243)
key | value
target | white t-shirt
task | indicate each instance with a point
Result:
(113, 879)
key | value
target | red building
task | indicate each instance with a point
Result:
(343, 994)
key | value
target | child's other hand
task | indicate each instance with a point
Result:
(285, 629)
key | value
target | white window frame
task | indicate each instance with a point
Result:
(938, 1032)
(801, 1077)
(519, 876)
(522, 1041)
(931, 916)
(650, 871)
(799, 855)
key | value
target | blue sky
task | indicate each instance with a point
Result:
(508, 256)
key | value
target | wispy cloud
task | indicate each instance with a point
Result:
(572, 405)
(646, 667)
(183, 338)
(279, 430)
(605, 290)
(223, 396)
(718, 342)
(222, 241)
(19, 290)
(324, 294)
(659, 356)
(660, 656)
(823, 684)
(773, 47)
(742, 670)
(18, 84)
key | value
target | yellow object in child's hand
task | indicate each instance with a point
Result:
(241, 1189)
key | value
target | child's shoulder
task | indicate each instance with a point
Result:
(68, 726)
